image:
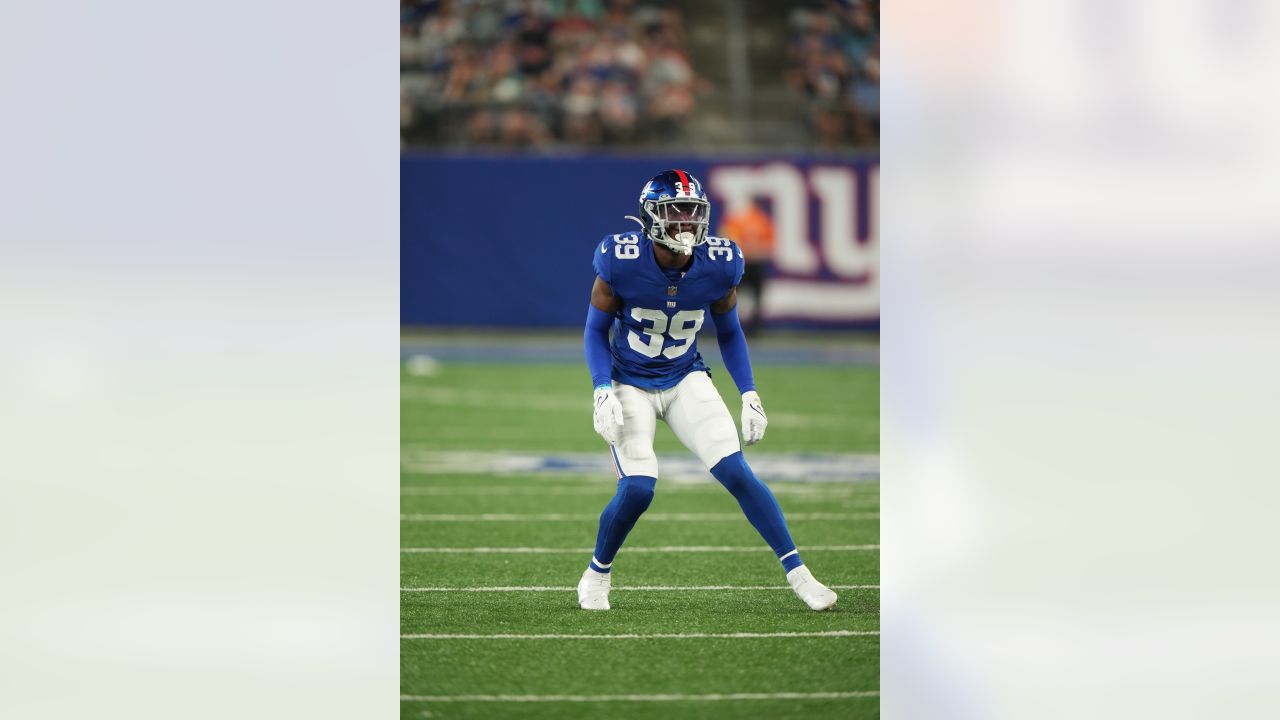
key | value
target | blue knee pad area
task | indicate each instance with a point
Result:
(759, 505)
(734, 473)
(635, 492)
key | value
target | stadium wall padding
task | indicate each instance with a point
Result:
(503, 240)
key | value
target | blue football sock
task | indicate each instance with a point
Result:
(760, 507)
(635, 492)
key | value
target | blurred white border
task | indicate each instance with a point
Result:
(198, 394)
(1080, 227)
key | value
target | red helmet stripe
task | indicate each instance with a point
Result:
(684, 180)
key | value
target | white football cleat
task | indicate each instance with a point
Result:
(814, 594)
(593, 590)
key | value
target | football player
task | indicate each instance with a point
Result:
(654, 288)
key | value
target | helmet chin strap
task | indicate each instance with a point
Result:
(633, 217)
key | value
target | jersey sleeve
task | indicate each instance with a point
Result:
(602, 261)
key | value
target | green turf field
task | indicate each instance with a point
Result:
(490, 554)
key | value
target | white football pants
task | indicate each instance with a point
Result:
(694, 411)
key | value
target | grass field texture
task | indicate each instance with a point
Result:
(489, 619)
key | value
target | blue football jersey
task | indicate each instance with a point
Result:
(655, 334)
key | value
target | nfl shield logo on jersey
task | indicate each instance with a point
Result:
(671, 290)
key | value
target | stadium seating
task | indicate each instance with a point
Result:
(547, 74)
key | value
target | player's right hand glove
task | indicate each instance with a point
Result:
(608, 415)
(754, 420)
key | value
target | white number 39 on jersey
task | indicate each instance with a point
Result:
(720, 247)
(682, 327)
(626, 247)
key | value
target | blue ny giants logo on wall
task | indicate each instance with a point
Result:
(823, 213)
(826, 261)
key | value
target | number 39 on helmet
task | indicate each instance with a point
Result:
(674, 211)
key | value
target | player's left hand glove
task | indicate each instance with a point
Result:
(754, 420)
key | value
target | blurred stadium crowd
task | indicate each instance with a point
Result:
(541, 74)
(529, 73)
(835, 55)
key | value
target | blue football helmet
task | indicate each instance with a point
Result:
(674, 211)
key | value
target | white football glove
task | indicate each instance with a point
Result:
(608, 416)
(754, 420)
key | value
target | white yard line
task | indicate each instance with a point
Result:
(635, 636)
(643, 698)
(649, 517)
(629, 551)
(663, 588)
(601, 489)
(605, 489)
